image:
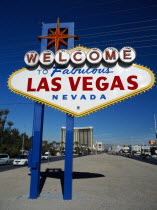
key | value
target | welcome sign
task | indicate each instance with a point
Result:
(81, 81)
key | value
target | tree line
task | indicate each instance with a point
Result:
(11, 139)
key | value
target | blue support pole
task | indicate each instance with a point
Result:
(36, 151)
(68, 158)
(68, 165)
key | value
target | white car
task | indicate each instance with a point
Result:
(154, 156)
(21, 160)
(45, 156)
(4, 159)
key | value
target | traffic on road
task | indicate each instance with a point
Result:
(14, 165)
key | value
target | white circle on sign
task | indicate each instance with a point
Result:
(62, 57)
(78, 56)
(46, 57)
(127, 54)
(31, 58)
(110, 55)
(94, 55)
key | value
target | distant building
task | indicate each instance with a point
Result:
(136, 149)
(107, 146)
(83, 136)
(115, 149)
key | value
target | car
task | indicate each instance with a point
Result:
(4, 159)
(21, 160)
(45, 156)
(154, 156)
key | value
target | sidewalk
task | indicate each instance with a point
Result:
(100, 182)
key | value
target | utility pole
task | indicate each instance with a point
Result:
(96, 148)
(23, 141)
(48, 156)
(155, 127)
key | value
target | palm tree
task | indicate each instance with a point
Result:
(10, 123)
(6, 111)
(57, 144)
(54, 144)
(2, 122)
(3, 117)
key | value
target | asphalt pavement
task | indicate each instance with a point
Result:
(100, 182)
(57, 158)
(11, 167)
(148, 160)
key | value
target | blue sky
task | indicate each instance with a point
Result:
(98, 24)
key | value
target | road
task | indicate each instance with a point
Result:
(139, 158)
(11, 167)
(101, 182)
(148, 160)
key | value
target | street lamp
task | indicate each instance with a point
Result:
(23, 141)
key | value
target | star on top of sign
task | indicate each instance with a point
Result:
(58, 37)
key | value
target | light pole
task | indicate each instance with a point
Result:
(96, 148)
(155, 128)
(48, 156)
(23, 141)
